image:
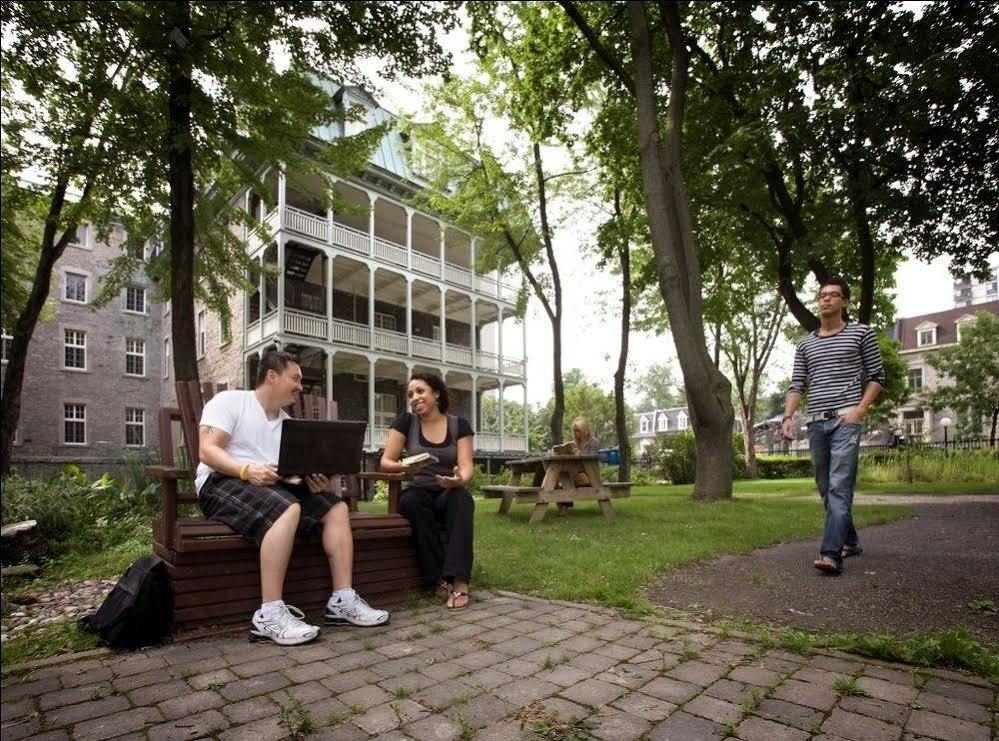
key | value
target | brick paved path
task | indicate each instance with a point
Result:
(498, 670)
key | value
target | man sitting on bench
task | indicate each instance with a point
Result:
(238, 484)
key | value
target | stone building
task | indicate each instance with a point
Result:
(920, 337)
(93, 382)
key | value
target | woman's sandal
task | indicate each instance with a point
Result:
(452, 600)
(444, 590)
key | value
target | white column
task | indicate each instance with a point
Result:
(443, 328)
(441, 227)
(527, 420)
(371, 223)
(371, 307)
(329, 376)
(280, 280)
(523, 349)
(409, 316)
(282, 194)
(502, 419)
(474, 406)
(409, 238)
(499, 339)
(471, 264)
(371, 401)
(262, 284)
(329, 297)
(475, 360)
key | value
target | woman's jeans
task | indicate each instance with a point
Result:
(834, 457)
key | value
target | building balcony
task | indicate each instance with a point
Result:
(387, 342)
(322, 229)
(376, 437)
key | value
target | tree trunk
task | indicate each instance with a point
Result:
(748, 442)
(181, 177)
(992, 434)
(620, 415)
(558, 408)
(708, 391)
(13, 380)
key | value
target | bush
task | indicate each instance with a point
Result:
(784, 467)
(642, 476)
(78, 515)
(481, 478)
(674, 455)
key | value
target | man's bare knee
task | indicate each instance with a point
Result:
(338, 514)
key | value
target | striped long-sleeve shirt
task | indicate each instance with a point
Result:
(834, 370)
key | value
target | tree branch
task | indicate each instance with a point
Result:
(602, 51)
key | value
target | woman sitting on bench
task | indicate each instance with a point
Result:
(437, 496)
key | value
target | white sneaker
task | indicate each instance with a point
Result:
(354, 611)
(284, 626)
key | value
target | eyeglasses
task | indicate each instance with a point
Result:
(830, 294)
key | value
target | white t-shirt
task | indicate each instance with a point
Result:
(252, 437)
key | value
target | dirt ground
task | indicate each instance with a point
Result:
(915, 575)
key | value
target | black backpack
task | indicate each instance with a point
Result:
(139, 610)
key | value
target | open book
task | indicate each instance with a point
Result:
(419, 459)
(564, 449)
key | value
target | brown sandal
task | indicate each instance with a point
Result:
(827, 565)
(452, 601)
(444, 590)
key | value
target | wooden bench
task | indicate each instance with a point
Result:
(216, 573)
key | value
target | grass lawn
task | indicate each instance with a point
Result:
(585, 558)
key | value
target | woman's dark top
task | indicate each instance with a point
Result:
(446, 451)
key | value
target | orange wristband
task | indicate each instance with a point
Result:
(243, 470)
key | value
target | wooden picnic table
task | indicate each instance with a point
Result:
(552, 479)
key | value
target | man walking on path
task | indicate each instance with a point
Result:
(839, 365)
(237, 481)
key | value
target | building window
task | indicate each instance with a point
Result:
(5, 340)
(201, 333)
(76, 288)
(915, 378)
(662, 424)
(166, 357)
(135, 300)
(135, 250)
(74, 424)
(386, 321)
(645, 424)
(681, 421)
(926, 336)
(135, 427)
(135, 357)
(82, 238)
(385, 411)
(912, 423)
(75, 349)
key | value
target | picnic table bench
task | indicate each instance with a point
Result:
(553, 480)
(216, 573)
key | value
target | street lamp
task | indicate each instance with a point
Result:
(945, 423)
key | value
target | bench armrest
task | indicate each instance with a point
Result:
(168, 472)
(383, 476)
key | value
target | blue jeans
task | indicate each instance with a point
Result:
(834, 457)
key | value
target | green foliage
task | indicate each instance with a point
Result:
(60, 637)
(783, 466)
(906, 464)
(674, 454)
(971, 369)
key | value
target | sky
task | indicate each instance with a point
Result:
(591, 323)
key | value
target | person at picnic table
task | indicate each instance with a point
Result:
(239, 441)
(437, 495)
(839, 366)
(583, 443)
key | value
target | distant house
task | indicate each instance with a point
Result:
(658, 422)
(920, 337)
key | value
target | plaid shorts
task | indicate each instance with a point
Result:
(251, 510)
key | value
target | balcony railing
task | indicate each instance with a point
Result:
(352, 239)
(350, 333)
(491, 441)
(425, 264)
(487, 361)
(388, 341)
(458, 355)
(390, 252)
(425, 349)
(317, 227)
(308, 325)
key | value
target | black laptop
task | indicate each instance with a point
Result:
(318, 446)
